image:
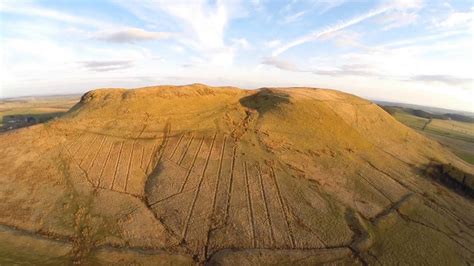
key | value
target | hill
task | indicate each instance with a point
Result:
(429, 115)
(227, 176)
(429, 109)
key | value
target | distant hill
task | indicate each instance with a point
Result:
(429, 115)
(429, 109)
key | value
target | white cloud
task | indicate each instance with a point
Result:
(241, 43)
(402, 13)
(457, 19)
(434, 60)
(324, 6)
(398, 19)
(203, 24)
(405, 4)
(131, 35)
(349, 70)
(335, 71)
(178, 49)
(294, 17)
(460, 82)
(281, 64)
(272, 43)
(428, 38)
(388, 6)
(207, 23)
(20, 8)
(346, 38)
(52, 50)
(102, 66)
(331, 29)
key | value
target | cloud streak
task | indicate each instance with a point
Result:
(331, 29)
(202, 24)
(294, 17)
(37, 11)
(344, 70)
(396, 5)
(281, 64)
(445, 79)
(325, 6)
(350, 70)
(104, 66)
(132, 35)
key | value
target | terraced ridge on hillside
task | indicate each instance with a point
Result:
(213, 186)
(114, 163)
(221, 175)
(213, 189)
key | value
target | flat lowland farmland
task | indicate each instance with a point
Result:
(21, 112)
(218, 175)
(453, 129)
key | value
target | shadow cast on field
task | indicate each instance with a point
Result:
(265, 100)
(450, 177)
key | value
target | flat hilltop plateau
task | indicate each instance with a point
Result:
(218, 175)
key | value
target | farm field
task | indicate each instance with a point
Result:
(20, 112)
(456, 135)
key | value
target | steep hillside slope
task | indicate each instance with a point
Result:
(195, 173)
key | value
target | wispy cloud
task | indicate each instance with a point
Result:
(294, 17)
(344, 70)
(457, 19)
(466, 83)
(398, 19)
(349, 70)
(83, 45)
(331, 29)
(26, 9)
(203, 24)
(324, 6)
(397, 5)
(421, 39)
(241, 43)
(347, 38)
(102, 66)
(132, 35)
(272, 43)
(281, 64)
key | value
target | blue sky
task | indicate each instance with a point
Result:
(410, 51)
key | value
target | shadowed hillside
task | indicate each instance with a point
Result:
(227, 176)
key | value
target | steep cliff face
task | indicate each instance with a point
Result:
(224, 175)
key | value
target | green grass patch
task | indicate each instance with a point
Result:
(411, 120)
(449, 134)
(468, 157)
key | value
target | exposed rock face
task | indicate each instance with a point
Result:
(224, 175)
